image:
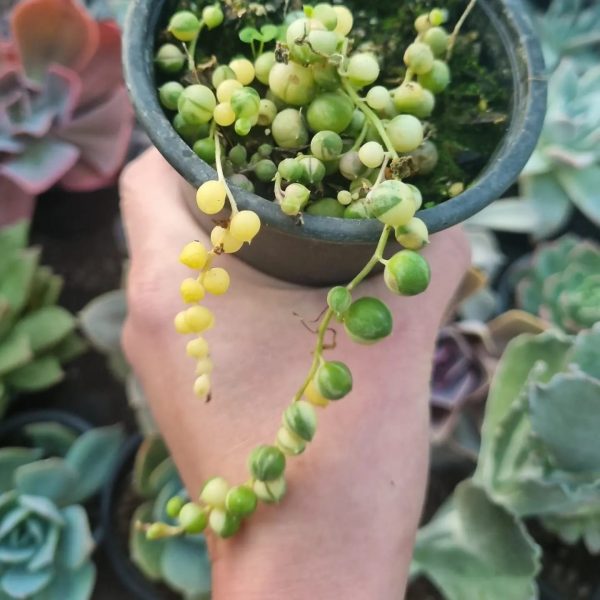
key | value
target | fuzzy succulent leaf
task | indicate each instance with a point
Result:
(475, 549)
(92, 456)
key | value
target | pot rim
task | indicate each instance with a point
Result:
(529, 88)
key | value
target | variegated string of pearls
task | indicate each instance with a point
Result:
(223, 507)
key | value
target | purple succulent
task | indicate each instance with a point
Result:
(65, 117)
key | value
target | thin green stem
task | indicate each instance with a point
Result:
(458, 27)
(361, 138)
(371, 116)
(191, 50)
(326, 320)
(215, 134)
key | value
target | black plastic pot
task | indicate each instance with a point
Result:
(116, 543)
(326, 250)
(10, 434)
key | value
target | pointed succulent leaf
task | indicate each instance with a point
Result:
(46, 288)
(550, 352)
(11, 555)
(69, 348)
(74, 585)
(46, 327)
(164, 474)
(475, 549)
(10, 460)
(52, 478)
(15, 352)
(16, 277)
(584, 189)
(50, 437)
(548, 200)
(45, 552)
(144, 553)
(18, 582)
(39, 374)
(102, 321)
(13, 238)
(151, 453)
(76, 541)
(92, 457)
(43, 507)
(565, 414)
(12, 518)
(185, 565)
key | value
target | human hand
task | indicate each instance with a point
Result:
(347, 524)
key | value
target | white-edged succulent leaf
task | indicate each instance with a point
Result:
(474, 549)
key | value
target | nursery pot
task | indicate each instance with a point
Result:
(325, 250)
(11, 434)
(116, 540)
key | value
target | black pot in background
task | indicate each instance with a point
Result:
(116, 541)
(325, 250)
(11, 434)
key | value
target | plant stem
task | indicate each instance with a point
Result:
(371, 116)
(458, 27)
(361, 138)
(326, 320)
(215, 134)
(191, 51)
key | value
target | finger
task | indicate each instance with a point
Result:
(156, 217)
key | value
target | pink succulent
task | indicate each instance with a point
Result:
(65, 117)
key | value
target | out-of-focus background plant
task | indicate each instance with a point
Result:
(36, 336)
(46, 532)
(65, 117)
(563, 175)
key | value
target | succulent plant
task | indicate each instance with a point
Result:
(539, 457)
(180, 562)
(564, 171)
(36, 336)
(45, 532)
(64, 115)
(569, 28)
(562, 284)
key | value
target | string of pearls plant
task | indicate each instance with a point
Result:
(311, 84)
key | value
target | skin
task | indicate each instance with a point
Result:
(347, 524)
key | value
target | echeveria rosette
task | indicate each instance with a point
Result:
(562, 284)
(180, 562)
(45, 535)
(64, 115)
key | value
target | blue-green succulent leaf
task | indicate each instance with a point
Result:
(12, 518)
(474, 549)
(570, 435)
(51, 437)
(583, 187)
(102, 321)
(10, 460)
(46, 327)
(10, 555)
(72, 585)
(52, 478)
(185, 565)
(143, 552)
(42, 506)
(586, 352)
(151, 453)
(46, 551)
(76, 541)
(92, 457)
(18, 582)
